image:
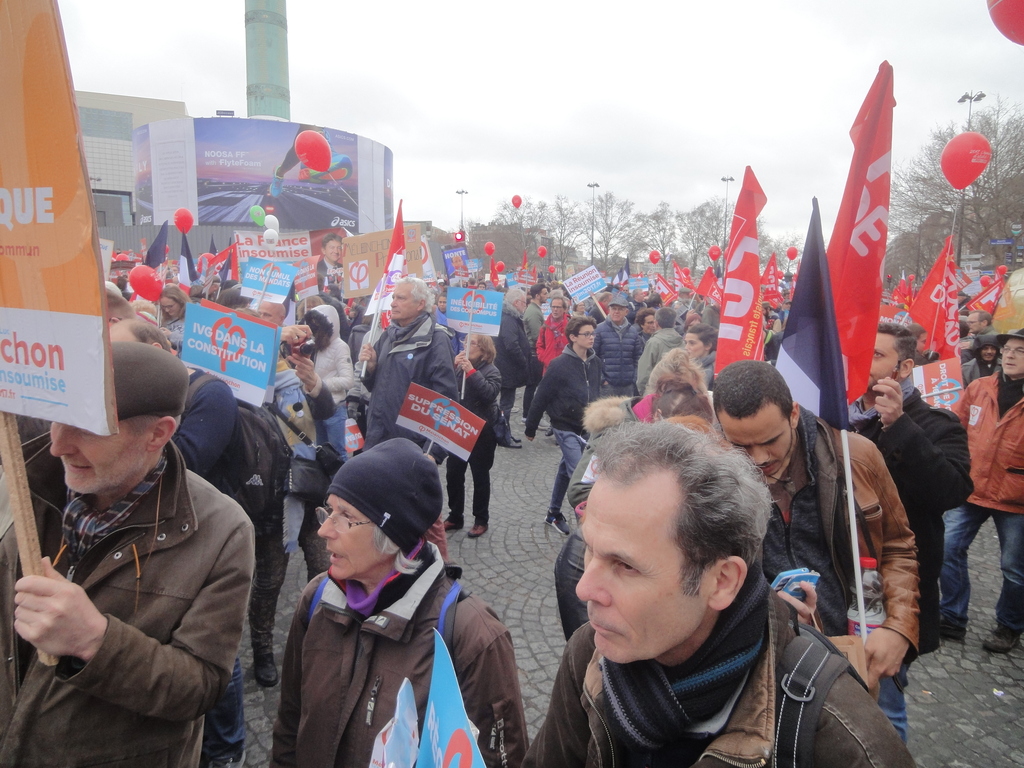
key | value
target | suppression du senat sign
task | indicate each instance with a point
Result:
(441, 419)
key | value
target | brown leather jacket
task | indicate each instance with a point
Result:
(341, 675)
(172, 636)
(852, 731)
(887, 527)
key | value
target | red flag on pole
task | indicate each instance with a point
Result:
(936, 305)
(770, 281)
(525, 262)
(709, 287)
(533, 273)
(494, 273)
(683, 279)
(741, 331)
(987, 299)
(394, 268)
(856, 251)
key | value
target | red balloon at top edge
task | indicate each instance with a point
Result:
(183, 220)
(542, 251)
(1008, 16)
(714, 252)
(313, 150)
(489, 248)
(964, 158)
(1001, 270)
(792, 253)
(516, 201)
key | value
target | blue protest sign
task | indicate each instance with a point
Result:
(638, 283)
(585, 283)
(455, 261)
(485, 307)
(239, 349)
(475, 265)
(265, 280)
(447, 735)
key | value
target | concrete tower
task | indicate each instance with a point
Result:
(266, 59)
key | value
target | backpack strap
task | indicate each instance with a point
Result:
(316, 599)
(446, 619)
(194, 387)
(810, 665)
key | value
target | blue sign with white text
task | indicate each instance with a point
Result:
(474, 311)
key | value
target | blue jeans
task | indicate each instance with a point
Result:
(892, 702)
(332, 430)
(224, 730)
(572, 448)
(962, 526)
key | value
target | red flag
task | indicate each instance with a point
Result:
(494, 273)
(987, 299)
(709, 287)
(856, 251)
(683, 280)
(770, 281)
(741, 331)
(663, 289)
(394, 267)
(533, 273)
(901, 296)
(525, 262)
(936, 305)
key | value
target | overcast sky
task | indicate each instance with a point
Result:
(654, 101)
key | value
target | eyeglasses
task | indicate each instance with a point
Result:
(339, 520)
(588, 334)
(1012, 351)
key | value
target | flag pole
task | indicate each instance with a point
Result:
(854, 542)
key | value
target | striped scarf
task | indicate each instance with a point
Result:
(83, 525)
(652, 705)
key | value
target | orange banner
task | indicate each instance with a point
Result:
(54, 358)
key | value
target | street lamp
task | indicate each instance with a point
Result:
(725, 211)
(462, 208)
(970, 97)
(593, 216)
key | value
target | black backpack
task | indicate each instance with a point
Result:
(253, 469)
(810, 665)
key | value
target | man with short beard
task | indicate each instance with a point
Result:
(145, 581)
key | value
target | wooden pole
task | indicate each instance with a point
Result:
(21, 505)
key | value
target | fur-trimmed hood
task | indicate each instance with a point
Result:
(605, 413)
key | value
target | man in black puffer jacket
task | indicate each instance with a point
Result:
(513, 349)
(572, 381)
(619, 345)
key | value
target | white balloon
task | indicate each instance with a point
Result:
(271, 222)
(270, 237)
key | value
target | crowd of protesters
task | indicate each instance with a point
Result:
(690, 491)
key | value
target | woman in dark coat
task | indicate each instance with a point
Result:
(482, 384)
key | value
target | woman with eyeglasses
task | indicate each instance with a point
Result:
(475, 364)
(368, 624)
(572, 381)
(173, 301)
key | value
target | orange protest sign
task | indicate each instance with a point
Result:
(54, 359)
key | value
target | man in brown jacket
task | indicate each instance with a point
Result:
(147, 574)
(800, 459)
(678, 664)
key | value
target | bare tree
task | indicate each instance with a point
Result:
(699, 228)
(659, 231)
(614, 223)
(567, 227)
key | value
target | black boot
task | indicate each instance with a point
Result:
(264, 668)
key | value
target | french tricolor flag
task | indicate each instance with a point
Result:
(811, 359)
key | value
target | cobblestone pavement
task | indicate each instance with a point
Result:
(965, 704)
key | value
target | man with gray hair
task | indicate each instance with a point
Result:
(512, 346)
(679, 658)
(412, 349)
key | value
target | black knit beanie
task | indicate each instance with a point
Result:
(396, 486)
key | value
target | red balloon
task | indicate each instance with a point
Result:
(516, 201)
(500, 266)
(964, 158)
(1008, 16)
(183, 220)
(686, 271)
(911, 277)
(714, 252)
(313, 150)
(655, 257)
(1001, 270)
(986, 281)
(542, 251)
(551, 269)
(146, 282)
(792, 253)
(489, 248)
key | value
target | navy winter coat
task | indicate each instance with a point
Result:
(619, 352)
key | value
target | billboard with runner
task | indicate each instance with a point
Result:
(220, 167)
